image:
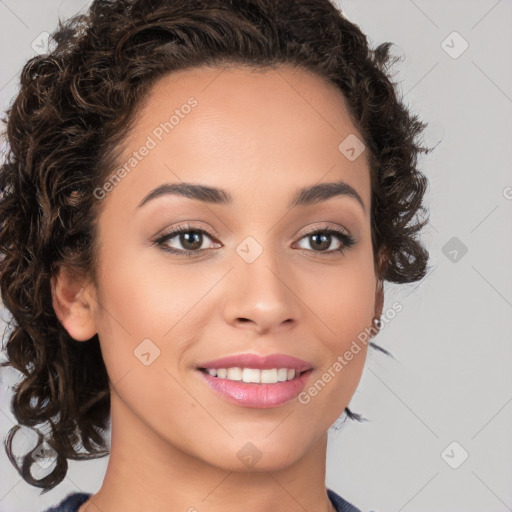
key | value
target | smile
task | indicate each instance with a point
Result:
(257, 381)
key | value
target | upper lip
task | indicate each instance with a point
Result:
(259, 362)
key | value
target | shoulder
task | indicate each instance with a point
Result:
(340, 504)
(70, 503)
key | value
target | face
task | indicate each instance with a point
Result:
(276, 286)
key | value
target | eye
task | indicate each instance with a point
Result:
(322, 239)
(189, 238)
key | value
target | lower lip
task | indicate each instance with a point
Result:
(257, 395)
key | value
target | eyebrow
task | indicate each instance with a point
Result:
(303, 197)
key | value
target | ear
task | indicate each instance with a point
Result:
(73, 303)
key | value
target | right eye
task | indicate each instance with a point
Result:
(191, 239)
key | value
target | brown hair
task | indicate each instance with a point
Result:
(75, 105)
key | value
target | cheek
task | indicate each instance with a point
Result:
(138, 297)
(342, 300)
(343, 306)
(145, 308)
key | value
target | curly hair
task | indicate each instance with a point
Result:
(74, 107)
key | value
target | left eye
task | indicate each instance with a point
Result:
(191, 240)
(322, 239)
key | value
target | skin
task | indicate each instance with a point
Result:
(260, 135)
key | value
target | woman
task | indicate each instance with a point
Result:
(200, 205)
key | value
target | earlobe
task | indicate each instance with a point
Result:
(379, 298)
(379, 289)
(379, 305)
(73, 305)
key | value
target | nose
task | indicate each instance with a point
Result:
(263, 295)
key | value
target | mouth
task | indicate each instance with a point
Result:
(256, 381)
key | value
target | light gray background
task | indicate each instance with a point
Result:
(452, 379)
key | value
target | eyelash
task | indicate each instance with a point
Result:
(346, 239)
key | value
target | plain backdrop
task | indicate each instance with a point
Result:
(440, 414)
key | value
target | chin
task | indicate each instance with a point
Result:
(257, 454)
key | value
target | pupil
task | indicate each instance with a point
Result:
(186, 239)
(323, 243)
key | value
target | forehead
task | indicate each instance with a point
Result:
(234, 127)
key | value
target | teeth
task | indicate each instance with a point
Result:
(268, 376)
(253, 375)
(282, 374)
(234, 373)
